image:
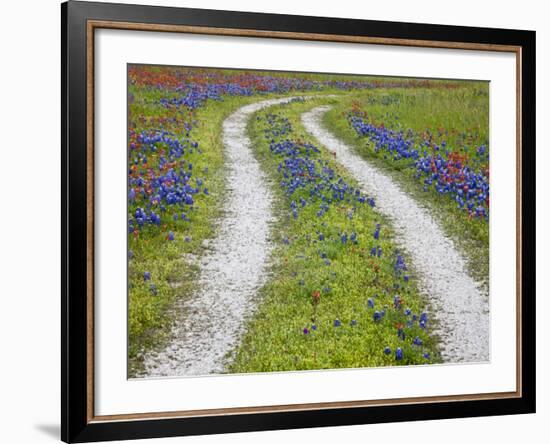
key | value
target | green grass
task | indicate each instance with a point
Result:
(459, 116)
(275, 340)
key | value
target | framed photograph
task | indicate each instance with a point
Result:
(275, 221)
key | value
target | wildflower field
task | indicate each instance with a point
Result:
(325, 272)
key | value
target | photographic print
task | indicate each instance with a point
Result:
(274, 221)
(284, 221)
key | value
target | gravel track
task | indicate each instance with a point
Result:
(460, 305)
(209, 324)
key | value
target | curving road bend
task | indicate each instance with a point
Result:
(209, 324)
(459, 305)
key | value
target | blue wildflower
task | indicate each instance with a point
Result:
(398, 354)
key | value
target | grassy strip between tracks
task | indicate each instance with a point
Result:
(340, 294)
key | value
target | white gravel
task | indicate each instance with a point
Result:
(209, 324)
(460, 306)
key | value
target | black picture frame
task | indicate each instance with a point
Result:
(76, 423)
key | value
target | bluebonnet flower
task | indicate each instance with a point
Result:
(387, 351)
(417, 341)
(423, 320)
(399, 266)
(377, 316)
(370, 303)
(376, 233)
(337, 323)
(398, 354)
(451, 174)
(306, 331)
(146, 275)
(314, 327)
(426, 355)
(171, 236)
(353, 322)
